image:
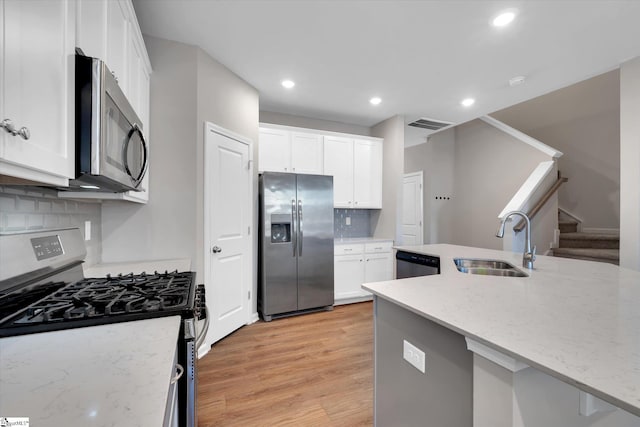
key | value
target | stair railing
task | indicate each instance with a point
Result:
(543, 200)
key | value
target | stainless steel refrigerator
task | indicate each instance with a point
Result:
(296, 244)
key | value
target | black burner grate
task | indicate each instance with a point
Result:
(102, 300)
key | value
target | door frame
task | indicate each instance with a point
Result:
(207, 244)
(420, 175)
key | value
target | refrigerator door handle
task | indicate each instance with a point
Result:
(294, 235)
(299, 228)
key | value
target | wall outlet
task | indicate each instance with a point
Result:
(87, 230)
(413, 355)
(347, 220)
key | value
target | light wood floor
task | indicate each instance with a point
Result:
(309, 370)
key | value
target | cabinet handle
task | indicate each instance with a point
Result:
(7, 124)
(178, 375)
(113, 73)
(347, 250)
(356, 203)
(285, 169)
(360, 259)
(377, 248)
(367, 259)
(216, 249)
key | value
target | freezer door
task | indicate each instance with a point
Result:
(278, 255)
(315, 241)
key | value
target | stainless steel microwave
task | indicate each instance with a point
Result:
(111, 151)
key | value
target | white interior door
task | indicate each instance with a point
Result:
(412, 209)
(228, 258)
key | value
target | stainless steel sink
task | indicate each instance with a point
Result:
(488, 267)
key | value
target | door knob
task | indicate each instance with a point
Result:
(216, 249)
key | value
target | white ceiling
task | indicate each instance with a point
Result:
(421, 57)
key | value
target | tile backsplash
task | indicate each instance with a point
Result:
(34, 208)
(359, 219)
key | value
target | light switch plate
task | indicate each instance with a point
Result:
(413, 355)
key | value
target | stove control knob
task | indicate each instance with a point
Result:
(216, 249)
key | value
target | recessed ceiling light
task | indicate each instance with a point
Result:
(468, 102)
(288, 84)
(375, 100)
(503, 19)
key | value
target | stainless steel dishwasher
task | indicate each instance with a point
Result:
(410, 264)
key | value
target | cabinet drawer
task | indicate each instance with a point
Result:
(348, 249)
(378, 247)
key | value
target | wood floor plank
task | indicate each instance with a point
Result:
(309, 370)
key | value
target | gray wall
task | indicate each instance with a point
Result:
(630, 164)
(386, 223)
(436, 160)
(34, 208)
(582, 121)
(310, 123)
(490, 167)
(187, 89)
(166, 226)
(471, 172)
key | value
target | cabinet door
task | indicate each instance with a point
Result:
(367, 174)
(118, 42)
(338, 162)
(378, 267)
(274, 150)
(91, 28)
(306, 153)
(348, 276)
(37, 87)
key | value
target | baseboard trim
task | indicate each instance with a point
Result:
(353, 300)
(254, 318)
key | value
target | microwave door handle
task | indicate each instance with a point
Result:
(145, 163)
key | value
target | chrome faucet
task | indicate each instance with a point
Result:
(528, 256)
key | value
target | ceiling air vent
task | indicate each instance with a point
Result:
(430, 124)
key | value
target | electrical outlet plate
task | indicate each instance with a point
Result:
(413, 355)
(347, 220)
(87, 230)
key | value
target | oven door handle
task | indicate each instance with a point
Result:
(179, 373)
(203, 333)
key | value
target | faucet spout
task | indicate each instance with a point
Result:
(528, 256)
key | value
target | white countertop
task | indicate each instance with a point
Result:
(136, 267)
(110, 375)
(576, 320)
(350, 240)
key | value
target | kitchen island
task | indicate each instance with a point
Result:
(573, 322)
(109, 375)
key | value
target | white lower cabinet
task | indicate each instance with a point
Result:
(355, 264)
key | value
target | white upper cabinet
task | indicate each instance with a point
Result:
(108, 29)
(354, 162)
(286, 151)
(37, 90)
(274, 150)
(338, 162)
(118, 28)
(306, 153)
(356, 166)
(367, 174)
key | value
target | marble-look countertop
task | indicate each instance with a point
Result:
(578, 321)
(351, 240)
(109, 375)
(136, 267)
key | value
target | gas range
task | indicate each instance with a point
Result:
(90, 302)
(47, 290)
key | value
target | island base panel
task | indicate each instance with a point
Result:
(443, 395)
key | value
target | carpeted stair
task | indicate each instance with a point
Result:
(602, 247)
